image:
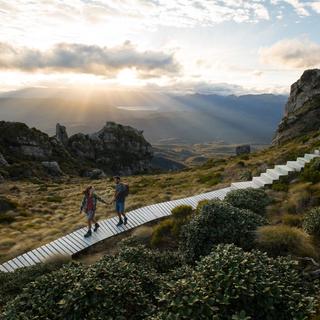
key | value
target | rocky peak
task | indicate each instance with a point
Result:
(61, 134)
(302, 111)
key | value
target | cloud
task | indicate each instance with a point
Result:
(292, 53)
(92, 59)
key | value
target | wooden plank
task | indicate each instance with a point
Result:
(23, 260)
(61, 250)
(52, 249)
(39, 254)
(3, 269)
(13, 265)
(65, 245)
(33, 256)
(110, 227)
(7, 266)
(72, 243)
(18, 262)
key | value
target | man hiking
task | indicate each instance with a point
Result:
(89, 206)
(121, 191)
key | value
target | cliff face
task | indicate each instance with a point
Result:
(114, 149)
(302, 111)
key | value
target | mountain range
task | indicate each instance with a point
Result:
(164, 118)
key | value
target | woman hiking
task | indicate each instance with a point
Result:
(89, 206)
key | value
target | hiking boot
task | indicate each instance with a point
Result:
(125, 220)
(119, 223)
(96, 227)
(88, 234)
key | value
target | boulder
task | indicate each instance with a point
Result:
(52, 168)
(61, 134)
(95, 174)
(302, 111)
(244, 149)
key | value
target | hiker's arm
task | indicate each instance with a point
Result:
(100, 199)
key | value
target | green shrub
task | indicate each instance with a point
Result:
(255, 200)
(292, 220)
(280, 186)
(210, 179)
(218, 222)
(311, 222)
(162, 232)
(284, 240)
(233, 284)
(109, 289)
(182, 212)
(170, 228)
(160, 261)
(201, 204)
(311, 171)
(12, 283)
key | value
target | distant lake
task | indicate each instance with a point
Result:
(138, 108)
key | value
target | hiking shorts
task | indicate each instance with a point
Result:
(120, 206)
(90, 215)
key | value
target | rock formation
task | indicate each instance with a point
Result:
(61, 134)
(302, 111)
(114, 149)
(52, 167)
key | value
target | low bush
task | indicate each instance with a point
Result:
(170, 228)
(182, 212)
(233, 284)
(109, 289)
(218, 222)
(311, 222)
(160, 261)
(210, 179)
(162, 232)
(311, 171)
(12, 283)
(255, 200)
(284, 240)
(201, 204)
(280, 186)
(292, 220)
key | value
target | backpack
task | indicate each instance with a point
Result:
(126, 190)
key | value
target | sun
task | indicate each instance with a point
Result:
(127, 77)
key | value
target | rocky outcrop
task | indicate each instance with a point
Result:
(19, 141)
(95, 174)
(114, 149)
(302, 111)
(244, 149)
(61, 134)
(53, 168)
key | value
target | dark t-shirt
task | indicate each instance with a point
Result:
(120, 188)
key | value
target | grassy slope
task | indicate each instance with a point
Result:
(48, 210)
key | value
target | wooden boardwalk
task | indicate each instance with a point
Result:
(75, 241)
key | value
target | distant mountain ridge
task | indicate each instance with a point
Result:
(165, 118)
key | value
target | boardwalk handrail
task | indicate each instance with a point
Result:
(74, 242)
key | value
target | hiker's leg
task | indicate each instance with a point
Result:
(118, 209)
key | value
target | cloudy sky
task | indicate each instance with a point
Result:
(227, 46)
